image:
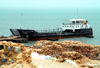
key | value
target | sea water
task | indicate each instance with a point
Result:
(49, 19)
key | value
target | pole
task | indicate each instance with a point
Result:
(77, 12)
(21, 20)
(60, 38)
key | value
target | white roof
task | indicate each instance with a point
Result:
(77, 20)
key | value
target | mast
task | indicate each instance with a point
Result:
(77, 12)
(21, 20)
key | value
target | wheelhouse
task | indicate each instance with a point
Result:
(77, 21)
(75, 24)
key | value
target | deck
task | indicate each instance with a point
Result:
(16, 39)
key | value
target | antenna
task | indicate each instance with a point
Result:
(77, 12)
(21, 20)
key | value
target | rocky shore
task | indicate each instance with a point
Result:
(49, 54)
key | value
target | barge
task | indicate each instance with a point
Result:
(75, 28)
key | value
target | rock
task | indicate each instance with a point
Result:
(17, 49)
(70, 62)
(9, 48)
(43, 57)
(34, 55)
(12, 61)
(67, 61)
(73, 63)
(53, 59)
(71, 55)
(18, 66)
(3, 60)
(48, 57)
(4, 42)
(5, 54)
(53, 49)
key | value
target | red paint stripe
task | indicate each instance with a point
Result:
(53, 38)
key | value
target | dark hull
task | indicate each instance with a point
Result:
(56, 38)
(32, 35)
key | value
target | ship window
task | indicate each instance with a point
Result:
(81, 21)
(73, 22)
(77, 21)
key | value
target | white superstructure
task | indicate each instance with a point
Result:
(75, 24)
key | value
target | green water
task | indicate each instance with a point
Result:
(49, 19)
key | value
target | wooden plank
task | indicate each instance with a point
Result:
(9, 38)
(16, 39)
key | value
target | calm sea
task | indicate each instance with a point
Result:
(48, 19)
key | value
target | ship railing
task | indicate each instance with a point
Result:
(49, 30)
(50, 34)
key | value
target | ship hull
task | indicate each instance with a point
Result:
(56, 38)
(32, 35)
